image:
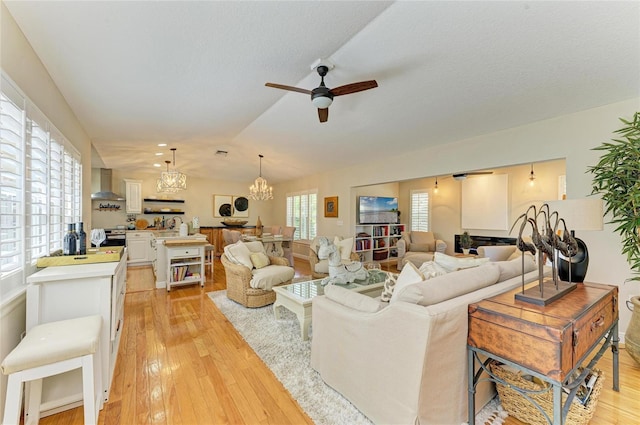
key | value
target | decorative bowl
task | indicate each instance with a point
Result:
(234, 222)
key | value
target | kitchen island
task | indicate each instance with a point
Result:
(162, 268)
(67, 292)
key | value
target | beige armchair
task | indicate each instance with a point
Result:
(418, 247)
(249, 284)
(320, 268)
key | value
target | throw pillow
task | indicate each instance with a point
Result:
(431, 269)
(352, 299)
(259, 260)
(255, 246)
(389, 285)
(345, 246)
(408, 276)
(238, 253)
(458, 263)
(449, 286)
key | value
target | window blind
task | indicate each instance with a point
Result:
(420, 210)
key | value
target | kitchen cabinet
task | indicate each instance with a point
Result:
(133, 194)
(140, 246)
(66, 292)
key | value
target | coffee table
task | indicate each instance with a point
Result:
(297, 297)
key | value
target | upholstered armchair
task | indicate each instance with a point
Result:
(288, 233)
(418, 247)
(251, 273)
(231, 236)
(320, 268)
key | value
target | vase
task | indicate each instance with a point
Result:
(466, 251)
(632, 335)
(258, 227)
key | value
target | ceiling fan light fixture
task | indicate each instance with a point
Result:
(321, 101)
(260, 189)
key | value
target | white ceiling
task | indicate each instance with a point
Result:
(192, 74)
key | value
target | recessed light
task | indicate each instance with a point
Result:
(157, 165)
(159, 154)
(162, 144)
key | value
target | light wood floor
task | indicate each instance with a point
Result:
(182, 362)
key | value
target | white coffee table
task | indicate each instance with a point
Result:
(297, 297)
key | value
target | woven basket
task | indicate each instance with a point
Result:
(522, 409)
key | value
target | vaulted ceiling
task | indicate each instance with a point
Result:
(193, 74)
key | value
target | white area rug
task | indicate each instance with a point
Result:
(278, 344)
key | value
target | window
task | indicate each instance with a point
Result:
(40, 186)
(302, 212)
(420, 210)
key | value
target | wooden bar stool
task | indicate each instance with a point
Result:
(209, 255)
(49, 349)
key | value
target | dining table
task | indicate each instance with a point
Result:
(273, 245)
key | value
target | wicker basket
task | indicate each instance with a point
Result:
(521, 408)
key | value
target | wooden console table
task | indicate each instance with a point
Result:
(549, 342)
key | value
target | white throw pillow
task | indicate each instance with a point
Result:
(255, 246)
(345, 246)
(238, 253)
(458, 263)
(431, 269)
(408, 276)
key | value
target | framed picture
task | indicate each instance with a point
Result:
(240, 207)
(331, 206)
(222, 206)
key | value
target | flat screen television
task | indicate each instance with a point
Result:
(377, 209)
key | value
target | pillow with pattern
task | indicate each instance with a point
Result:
(389, 285)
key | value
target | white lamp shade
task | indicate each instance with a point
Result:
(579, 214)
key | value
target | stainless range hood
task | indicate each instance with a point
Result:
(106, 193)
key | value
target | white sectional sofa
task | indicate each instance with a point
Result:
(405, 362)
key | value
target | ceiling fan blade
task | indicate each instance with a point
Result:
(290, 88)
(323, 114)
(354, 87)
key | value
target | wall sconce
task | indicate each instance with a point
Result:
(532, 176)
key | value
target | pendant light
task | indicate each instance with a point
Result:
(160, 188)
(532, 176)
(435, 188)
(173, 180)
(260, 190)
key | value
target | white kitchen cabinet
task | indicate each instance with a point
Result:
(140, 246)
(67, 292)
(133, 194)
(160, 265)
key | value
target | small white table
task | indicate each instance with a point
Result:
(297, 297)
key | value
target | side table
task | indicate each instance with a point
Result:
(548, 342)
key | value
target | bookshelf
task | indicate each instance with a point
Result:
(377, 242)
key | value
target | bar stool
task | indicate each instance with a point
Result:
(49, 349)
(209, 255)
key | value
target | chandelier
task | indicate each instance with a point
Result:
(160, 189)
(172, 181)
(260, 190)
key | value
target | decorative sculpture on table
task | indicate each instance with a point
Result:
(547, 244)
(339, 273)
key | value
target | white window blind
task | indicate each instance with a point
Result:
(302, 210)
(40, 186)
(420, 210)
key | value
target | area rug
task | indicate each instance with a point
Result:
(278, 344)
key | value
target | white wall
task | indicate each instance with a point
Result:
(198, 201)
(570, 136)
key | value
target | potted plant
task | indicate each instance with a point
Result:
(465, 242)
(616, 177)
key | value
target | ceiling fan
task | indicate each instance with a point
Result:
(462, 176)
(322, 96)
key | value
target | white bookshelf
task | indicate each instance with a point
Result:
(377, 242)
